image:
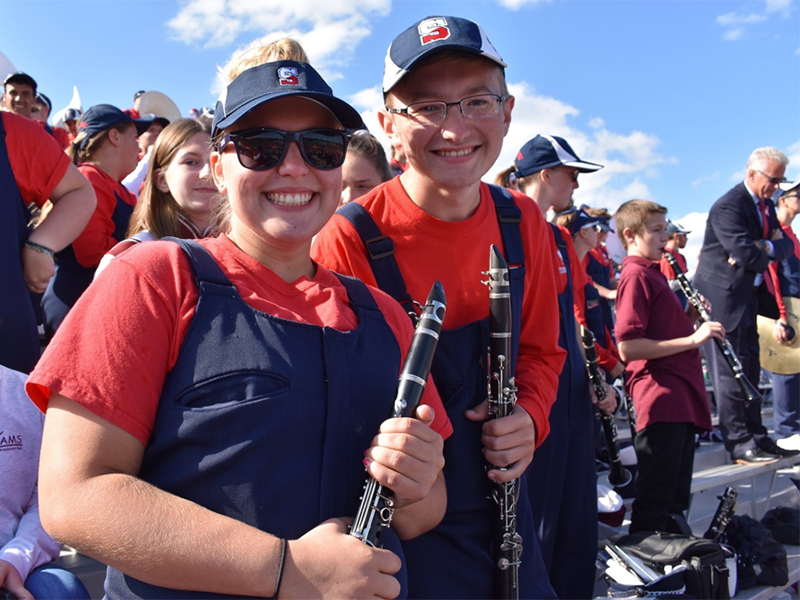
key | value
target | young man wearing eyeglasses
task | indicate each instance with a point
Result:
(742, 237)
(447, 104)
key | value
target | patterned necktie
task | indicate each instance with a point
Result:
(762, 205)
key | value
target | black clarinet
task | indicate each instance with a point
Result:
(618, 475)
(377, 503)
(630, 410)
(507, 543)
(749, 391)
(724, 514)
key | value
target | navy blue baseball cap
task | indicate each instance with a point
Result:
(435, 34)
(102, 116)
(583, 219)
(270, 81)
(546, 152)
(788, 186)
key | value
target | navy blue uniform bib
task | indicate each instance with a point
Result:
(562, 477)
(266, 420)
(19, 339)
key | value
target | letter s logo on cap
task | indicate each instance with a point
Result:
(287, 76)
(433, 29)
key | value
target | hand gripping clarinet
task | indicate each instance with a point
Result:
(377, 505)
(502, 399)
(749, 391)
(618, 475)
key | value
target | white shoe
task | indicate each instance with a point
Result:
(789, 443)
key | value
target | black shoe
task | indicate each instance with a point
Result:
(756, 456)
(770, 447)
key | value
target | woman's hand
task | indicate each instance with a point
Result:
(328, 563)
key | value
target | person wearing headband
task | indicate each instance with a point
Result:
(212, 437)
(447, 104)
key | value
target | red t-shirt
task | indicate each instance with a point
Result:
(36, 159)
(456, 253)
(114, 362)
(607, 354)
(666, 268)
(97, 237)
(669, 389)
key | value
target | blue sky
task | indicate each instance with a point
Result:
(670, 95)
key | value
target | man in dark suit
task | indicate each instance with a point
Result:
(742, 236)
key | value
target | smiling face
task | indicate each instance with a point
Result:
(457, 152)
(282, 208)
(187, 178)
(19, 98)
(651, 241)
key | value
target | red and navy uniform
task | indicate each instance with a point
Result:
(459, 370)
(565, 507)
(287, 381)
(76, 264)
(31, 165)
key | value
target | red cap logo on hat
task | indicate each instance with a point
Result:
(433, 29)
(288, 76)
(83, 125)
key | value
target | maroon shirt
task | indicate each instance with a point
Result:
(669, 389)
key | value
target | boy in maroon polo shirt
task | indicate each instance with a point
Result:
(663, 374)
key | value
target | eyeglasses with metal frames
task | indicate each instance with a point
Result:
(479, 106)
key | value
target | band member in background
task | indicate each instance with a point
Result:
(676, 241)
(161, 416)
(448, 106)
(546, 169)
(786, 388)
(600, 269)
(742, 237)
(663, 372)
(104, 151)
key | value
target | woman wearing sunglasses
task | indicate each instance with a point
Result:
(212, 437)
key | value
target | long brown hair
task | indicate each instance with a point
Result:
(157, 211)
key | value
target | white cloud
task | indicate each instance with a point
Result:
(706, 178)
(517, 4)
(696, 223)
(628, 158)
(736, 24)
(329, 31)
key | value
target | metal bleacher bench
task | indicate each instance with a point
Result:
(723, 475)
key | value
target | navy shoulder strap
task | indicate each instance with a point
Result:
(380, 250)
(204, 267)
(509, 217)
(357, 290)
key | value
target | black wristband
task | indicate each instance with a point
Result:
(40, 248)
(280, 568)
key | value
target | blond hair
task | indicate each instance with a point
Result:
(259, 53)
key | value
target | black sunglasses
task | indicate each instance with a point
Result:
(260, 149)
